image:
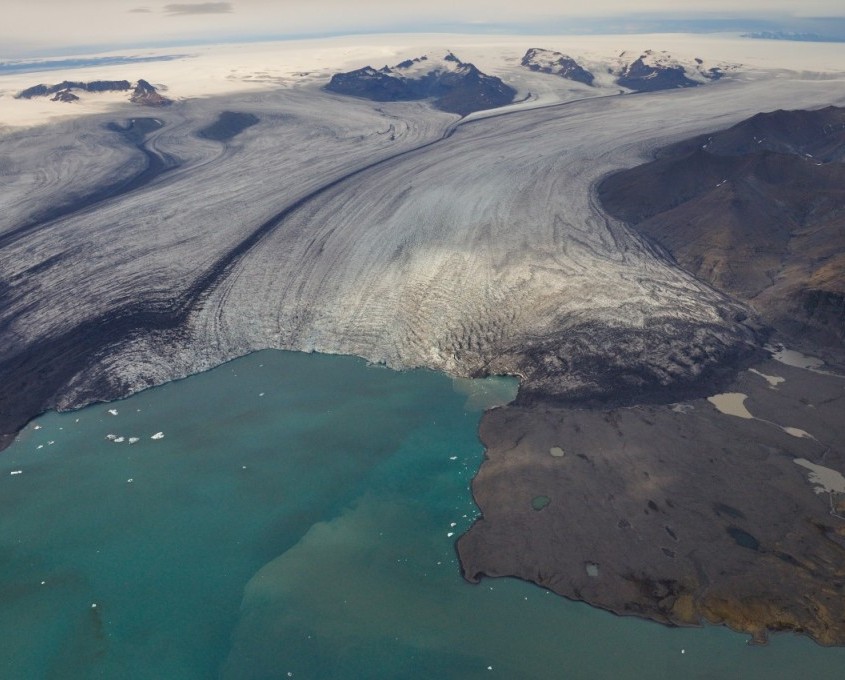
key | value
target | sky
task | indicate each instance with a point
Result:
(32, 27)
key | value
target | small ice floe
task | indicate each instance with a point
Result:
(119, 440)
(134, 440)
(16, 472)
(113, 411)
(158, 435)
(453, 458)
(43, 583)
(732, 404)
(94, 605)
(683, 408)
(130, 480)
(453, 524)
(261, 394)
(40, 446)
(36, 427)
(111, 437)
(825, 479)
(450, 534)
(51, 442)
(773, 380)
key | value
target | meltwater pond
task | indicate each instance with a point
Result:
(291, 515)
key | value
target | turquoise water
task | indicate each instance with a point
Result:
(297, 519)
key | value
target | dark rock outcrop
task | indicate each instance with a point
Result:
(229, 124)
(555, 63)
(143, 93)
(68, 85)
(453, 85)
(147, 95)
(64, 96)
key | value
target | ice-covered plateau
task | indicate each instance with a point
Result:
(136, 251)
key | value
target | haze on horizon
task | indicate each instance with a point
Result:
(55, 26)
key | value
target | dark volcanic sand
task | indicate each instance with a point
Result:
(676, 513)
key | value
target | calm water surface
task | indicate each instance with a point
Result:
(297, 519)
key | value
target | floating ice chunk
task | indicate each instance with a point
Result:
(130, 480)
(113, 411)
(158, 435)
(51, 442)
(132, 440)
(36, 427)
(261, 394)
(453, 524)
(40, 446)
(118, 440)
(450, 534)
(16, 472)
(43, 582)
(453, 458)
(111, 437)
(94, 605)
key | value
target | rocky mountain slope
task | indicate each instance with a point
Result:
(757, 210)
(555, 63)
(650, 71)
(453, 85)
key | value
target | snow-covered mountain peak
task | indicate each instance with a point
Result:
(419, 67)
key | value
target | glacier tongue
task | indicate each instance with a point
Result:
(482, 252)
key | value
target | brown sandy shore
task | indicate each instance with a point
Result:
(678, 513)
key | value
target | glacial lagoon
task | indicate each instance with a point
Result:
(293, 516)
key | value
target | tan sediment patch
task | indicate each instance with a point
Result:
(798, 432)
(773, 380)
(825, 479)
(732, 404)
